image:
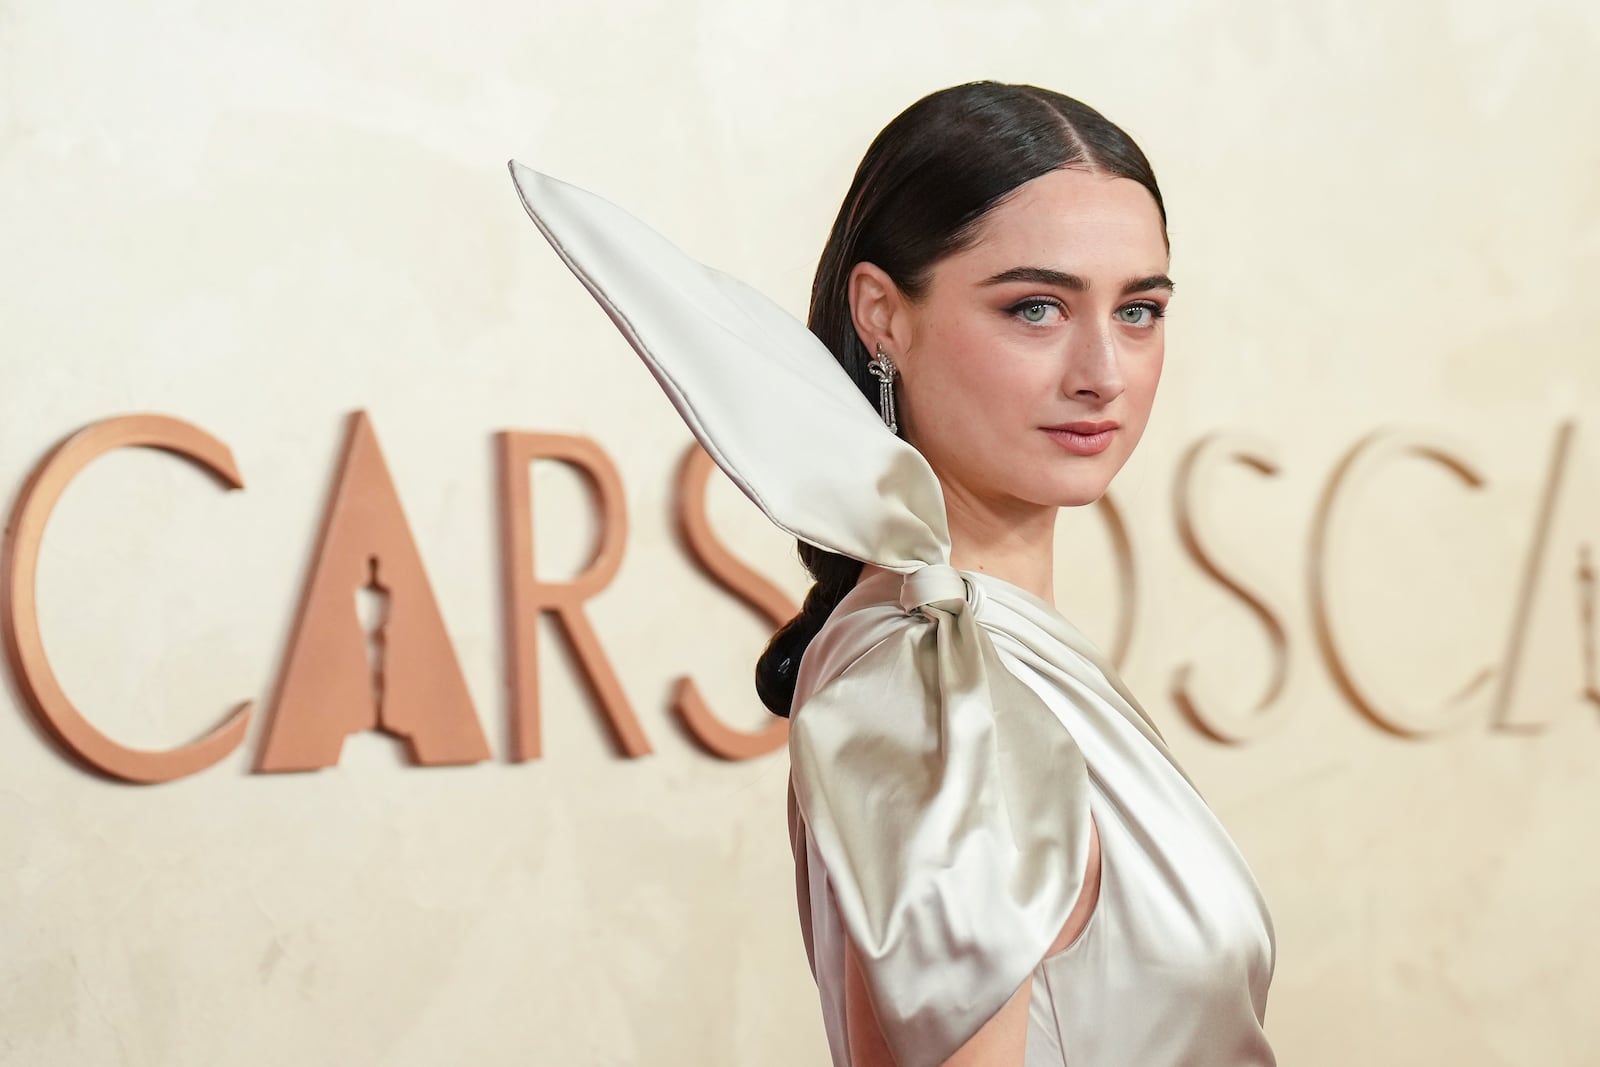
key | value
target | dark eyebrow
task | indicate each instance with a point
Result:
(1063, 280)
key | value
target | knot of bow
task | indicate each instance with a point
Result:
(932, 583)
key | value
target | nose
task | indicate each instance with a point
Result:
(1094, 368)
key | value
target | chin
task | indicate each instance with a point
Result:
(1083, 486)
(1089, 478)
(1078, 500)
(1070, 493)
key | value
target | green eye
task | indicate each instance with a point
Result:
(1035, 312)
(1153, 311)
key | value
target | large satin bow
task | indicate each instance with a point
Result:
(917, 760)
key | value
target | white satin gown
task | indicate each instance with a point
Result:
(951, 733)
(1173, 965)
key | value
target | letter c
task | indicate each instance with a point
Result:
(20, 620)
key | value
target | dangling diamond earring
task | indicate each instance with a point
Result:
(882, 368)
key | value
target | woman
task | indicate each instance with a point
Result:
(997, 859)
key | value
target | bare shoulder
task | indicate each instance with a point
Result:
(1087, 899)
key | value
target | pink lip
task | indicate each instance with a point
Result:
(1085, 427)
(1083, 442)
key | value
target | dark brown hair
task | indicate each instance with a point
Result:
(920, 193)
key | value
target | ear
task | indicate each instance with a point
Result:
(879, 311)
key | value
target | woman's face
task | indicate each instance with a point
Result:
(1052, 316)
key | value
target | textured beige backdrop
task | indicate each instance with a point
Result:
(260, 217)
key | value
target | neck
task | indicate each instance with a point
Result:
(1012, 540)
(1015, 543)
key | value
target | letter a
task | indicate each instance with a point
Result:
(326, 689)
(1551, 651)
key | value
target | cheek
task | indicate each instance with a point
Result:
(1154, 371)
(979, 367)
(1147, 375)
(948, 362)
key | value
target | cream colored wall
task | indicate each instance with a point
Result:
(261, 217)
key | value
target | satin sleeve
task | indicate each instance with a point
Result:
(949, 808)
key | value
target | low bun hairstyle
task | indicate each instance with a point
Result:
(920, 193)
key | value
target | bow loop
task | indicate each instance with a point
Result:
(759, 390)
